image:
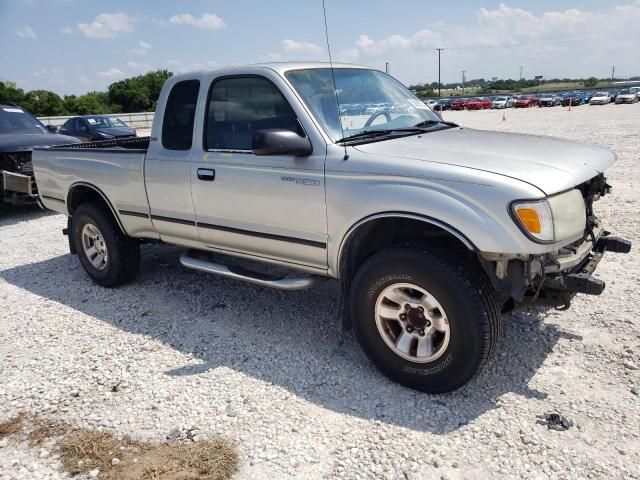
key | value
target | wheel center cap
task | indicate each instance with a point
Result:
(417, 318)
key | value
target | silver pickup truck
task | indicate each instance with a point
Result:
(432, 230)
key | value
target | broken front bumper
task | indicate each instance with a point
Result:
(559, 287)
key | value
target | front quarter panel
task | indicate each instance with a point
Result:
(474, 203)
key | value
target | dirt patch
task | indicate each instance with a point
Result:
(12, 426)
(124, 458)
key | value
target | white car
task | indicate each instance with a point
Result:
(627, 96)
(502, 102)
(432, 104)
(600, 98)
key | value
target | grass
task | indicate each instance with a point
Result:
(84, 450)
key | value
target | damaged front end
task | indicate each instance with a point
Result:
(553, 279)
(17, 182)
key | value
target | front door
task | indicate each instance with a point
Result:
(265, 206)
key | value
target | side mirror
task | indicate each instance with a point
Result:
(52, 128)
(277, 141)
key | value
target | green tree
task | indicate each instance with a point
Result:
(138, 94)
(10, 93)
(590, 82)
(43, 103)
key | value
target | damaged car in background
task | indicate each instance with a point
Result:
(19, 133)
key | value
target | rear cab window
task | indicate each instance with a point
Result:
(179, 115)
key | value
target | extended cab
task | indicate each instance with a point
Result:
(433, 230)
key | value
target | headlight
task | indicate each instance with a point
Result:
(554, 219)
(569, 214)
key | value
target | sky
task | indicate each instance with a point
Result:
(75, 46)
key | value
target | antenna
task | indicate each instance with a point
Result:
(333, 77)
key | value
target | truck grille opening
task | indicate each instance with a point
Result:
(17, 162)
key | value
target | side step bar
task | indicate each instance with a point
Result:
(280, 283)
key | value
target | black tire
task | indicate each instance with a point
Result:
(464, 293)
(123, 252)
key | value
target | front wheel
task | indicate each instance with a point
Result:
(108, 256)
(424, 319)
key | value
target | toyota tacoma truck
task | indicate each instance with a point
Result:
(432, 230)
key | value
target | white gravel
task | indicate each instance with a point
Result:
(269, 371)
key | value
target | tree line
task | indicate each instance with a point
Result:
(496, 85)
(135, 94)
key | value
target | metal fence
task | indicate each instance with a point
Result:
(136, 120)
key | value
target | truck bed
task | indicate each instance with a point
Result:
(114, 168)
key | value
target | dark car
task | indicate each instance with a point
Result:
(19, 133)
(443, 104)
(573, 99)
(91, 128)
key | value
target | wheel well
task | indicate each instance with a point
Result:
(375, 235)
(378, 234)
(80, 194)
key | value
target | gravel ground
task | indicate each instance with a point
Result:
(270, 371)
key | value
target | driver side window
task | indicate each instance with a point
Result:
(240, 106)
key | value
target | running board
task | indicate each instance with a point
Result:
(280, 283)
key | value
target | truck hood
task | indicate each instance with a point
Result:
(17, 142)
(548, 163)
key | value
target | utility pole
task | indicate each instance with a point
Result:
(613, 72)
(439, 81)
(520, 72)
(463, 80)
(386, 68)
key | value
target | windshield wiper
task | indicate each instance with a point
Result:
(367, 133)
(378, 133)
(431, 123)
(419, 128)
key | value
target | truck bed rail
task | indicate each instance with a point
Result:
(132, 143)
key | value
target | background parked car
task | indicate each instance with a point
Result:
(613, 93)
(459, 103)
(502, 102)
(90, 128)
(19, 133)
(443, 104)
(573, 99)
(524, 101)
(627, 96)
(549, 100)
(600, 98)
(478, 103)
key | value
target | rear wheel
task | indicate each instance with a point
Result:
(425, 320)
(109, 257)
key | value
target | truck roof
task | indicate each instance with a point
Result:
(280, 67)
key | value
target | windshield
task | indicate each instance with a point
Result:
(369, 100)
(499, 99)
(104, 122)
(16, 120)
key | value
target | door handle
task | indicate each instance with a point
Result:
(206, 174)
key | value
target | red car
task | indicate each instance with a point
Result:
(524, 101)
(459, 103)
(478, 103)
